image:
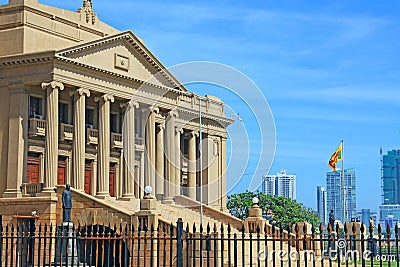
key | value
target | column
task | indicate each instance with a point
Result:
(129, 151)
(213, 182)
(150, 138)
(170, 159)
(17, 140)
(141, 179)
(177, 164)
(192, 166)
(159, 190)
(93, 183)
(103, 153)
(51, 141)
(223, 174)
(78, 150)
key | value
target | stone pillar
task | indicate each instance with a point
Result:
(104, 146)
(177, 164)
(150, 138)
(192, 166)
(213, 179)
(17, 140)
(141, 179)
(93, 184)
(51, 142)
(159, 190)
(129, 151)
(78, 153)
(170, 159)
(223, 174)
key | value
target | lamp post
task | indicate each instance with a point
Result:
(200, 164)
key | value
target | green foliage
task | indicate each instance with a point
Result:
(285, 210)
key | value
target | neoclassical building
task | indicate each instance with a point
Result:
(85, 104)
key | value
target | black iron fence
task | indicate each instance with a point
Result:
(176, 245)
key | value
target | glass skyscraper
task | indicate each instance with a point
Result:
(389, 211)
(391, 177)
(322, 208)
(335, 195)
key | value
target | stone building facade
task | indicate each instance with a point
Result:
(85, 104)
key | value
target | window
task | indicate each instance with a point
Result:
(89, 114)
(35, 107)
(63, 113)
(114, 123)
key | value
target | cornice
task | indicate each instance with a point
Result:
(23, 59)
(209, 116)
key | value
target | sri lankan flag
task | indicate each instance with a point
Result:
(336, 156)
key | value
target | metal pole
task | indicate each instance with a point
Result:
(200, 164)
(343, 187)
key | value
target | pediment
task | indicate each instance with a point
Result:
(123, 54)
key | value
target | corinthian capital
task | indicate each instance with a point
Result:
(52, 85)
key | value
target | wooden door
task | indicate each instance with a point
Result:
(33, 168)
(88, 176)
(61, 171)
(112, 180)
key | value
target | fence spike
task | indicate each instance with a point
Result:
(273, 229)
(229, 228)
(305, 228)
(171, 229)
(353, 228)
(345, 228)
(258, 229)
(312, 229)
(370, 229)
(379, 229)
(321, 228)
(297, 228)
(187, 227)
(362, 228)
(222, 228)
(194, 228)
(242, 228)
(396, 229)
(289, 229)
(337, 229)
(265, 228)
(215, 227)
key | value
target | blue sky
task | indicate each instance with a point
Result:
(329, 70)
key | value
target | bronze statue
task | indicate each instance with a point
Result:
(67, 203)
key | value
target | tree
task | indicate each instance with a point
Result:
(285, 210)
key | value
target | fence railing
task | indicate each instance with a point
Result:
(175, 245)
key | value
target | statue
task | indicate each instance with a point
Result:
(67, 203)
(332, 220)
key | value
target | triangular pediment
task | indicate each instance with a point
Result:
(123, 54)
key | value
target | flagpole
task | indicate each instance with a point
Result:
(343, 187)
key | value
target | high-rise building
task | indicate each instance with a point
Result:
(389, 211)
(335, 193)
(322, 204)
(282, 184)
(391, 177)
